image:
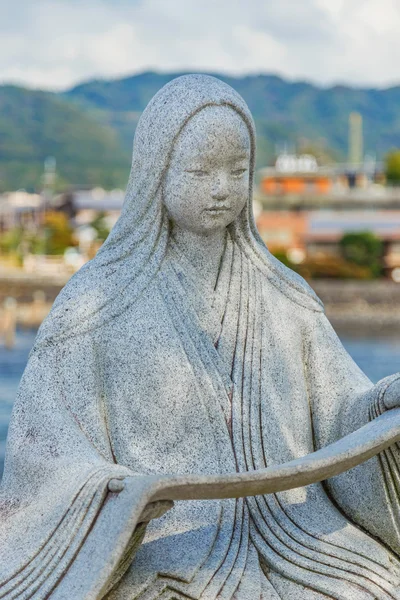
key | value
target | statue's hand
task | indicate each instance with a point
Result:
(155, 510)
(391, 397)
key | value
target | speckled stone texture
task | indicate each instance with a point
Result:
(186, 363)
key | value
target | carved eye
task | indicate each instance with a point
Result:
(198, 172)
(239, 172)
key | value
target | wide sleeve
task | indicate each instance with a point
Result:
(55, 506)
(342, 399)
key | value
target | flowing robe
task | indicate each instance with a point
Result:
(184, 382)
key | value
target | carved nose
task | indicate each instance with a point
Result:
(220, 190)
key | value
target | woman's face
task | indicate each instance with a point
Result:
(207, 182)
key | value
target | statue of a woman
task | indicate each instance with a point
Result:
(185, 347)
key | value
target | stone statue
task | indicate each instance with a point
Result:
(186, 362)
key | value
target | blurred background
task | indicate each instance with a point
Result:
(322, 81)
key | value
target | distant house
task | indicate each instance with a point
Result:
(20, 209)
(300, 180)
(296, 175)
(83, 205)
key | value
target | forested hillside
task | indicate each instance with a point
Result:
(89, 128)
(284, 111)
(35, 125)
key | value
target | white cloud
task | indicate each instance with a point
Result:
(55, 43)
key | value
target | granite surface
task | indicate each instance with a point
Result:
(185, 363)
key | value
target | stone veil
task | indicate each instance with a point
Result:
(135, 373)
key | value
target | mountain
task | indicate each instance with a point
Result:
(285, 112)
(36, 124)
(90, 128)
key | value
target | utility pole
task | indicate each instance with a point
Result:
(49, 177)
(356, 150)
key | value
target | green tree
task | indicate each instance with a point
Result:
(363, 249)
(100, 225)
(392, 167)
(58, 233)
(10, 240)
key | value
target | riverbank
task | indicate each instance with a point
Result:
(354, 304)
(371, 305)
(21, 286)
(32, 297)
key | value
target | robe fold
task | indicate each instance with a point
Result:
(170, 377)
(260, 383)
(256, 362)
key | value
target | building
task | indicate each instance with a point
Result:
(283, 230)
(20, 209)
(306, 209)
(86, 204)
(296, 180)
(295, 175)
(326, 228)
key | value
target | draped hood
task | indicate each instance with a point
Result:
(134, 250)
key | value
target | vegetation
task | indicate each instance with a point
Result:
(326, 267)
(284, 111)
(58, 233)
(89, 129)
(53, 238)
(35, 125)
(392, 167)
(101, 227)
(363, 249)
(361, 258)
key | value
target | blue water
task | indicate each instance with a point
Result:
(12, 365)
(378, 355)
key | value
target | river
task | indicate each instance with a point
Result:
(377, 354)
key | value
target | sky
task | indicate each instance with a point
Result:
(54, 44)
